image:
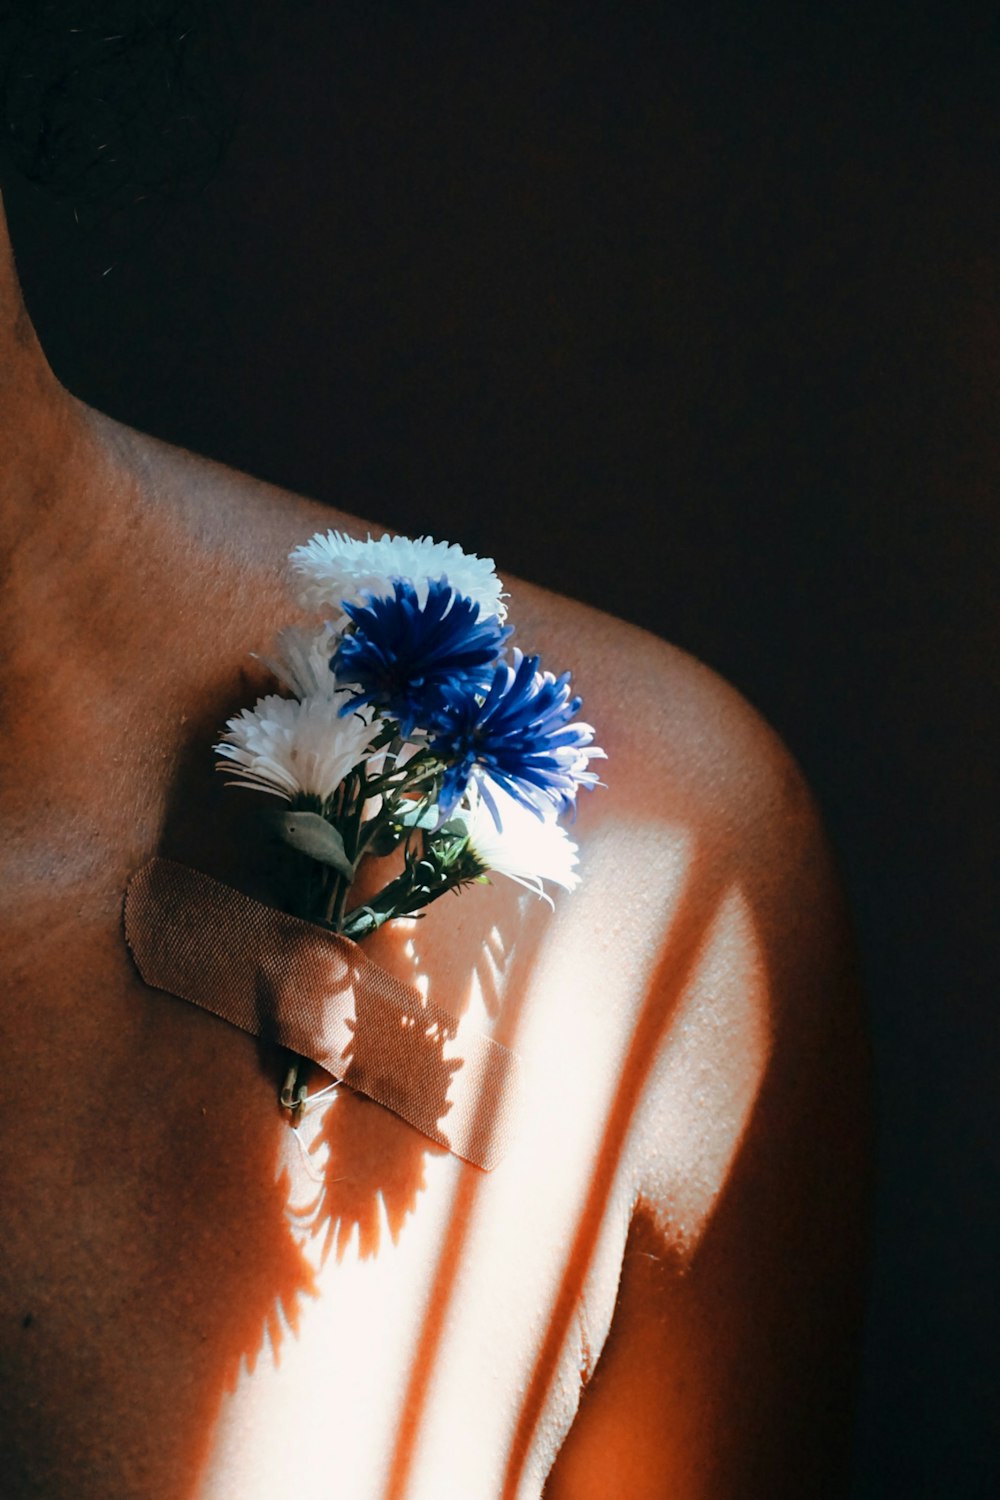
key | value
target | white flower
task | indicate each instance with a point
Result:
(287, 747)
(334, 567)
(526, 848)
(301, 661)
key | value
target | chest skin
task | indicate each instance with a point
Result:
(170, 1247)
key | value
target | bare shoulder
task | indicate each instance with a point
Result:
(754, 988)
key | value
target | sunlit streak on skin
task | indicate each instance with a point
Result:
(700, 1097)
(503, 1286)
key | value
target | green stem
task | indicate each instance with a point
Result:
(363, 921)
(337, 916)
(293, 1092)
(336, 881)
(408, 894)
(351, 832)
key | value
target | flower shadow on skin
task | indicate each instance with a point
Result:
(368, 1162)
(373, 1161)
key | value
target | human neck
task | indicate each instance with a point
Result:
(62, 485)
(28, 389)
(65, 503)
(46, 442)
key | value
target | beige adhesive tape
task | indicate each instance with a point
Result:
(305, 988)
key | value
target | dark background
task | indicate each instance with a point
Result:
(691, 312)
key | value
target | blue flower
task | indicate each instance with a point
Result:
(409, 659)
(519, 736)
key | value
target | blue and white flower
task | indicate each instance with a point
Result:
(519, 736)
(410, 657)
(333, 568)
(409, 735)
(410, 732)
(292, 748)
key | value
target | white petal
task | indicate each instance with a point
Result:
(334, 567)
(527, 848)
(287, 746)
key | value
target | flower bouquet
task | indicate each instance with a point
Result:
(409, 725)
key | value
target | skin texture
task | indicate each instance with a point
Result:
(654, 1295)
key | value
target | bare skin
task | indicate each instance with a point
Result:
(654, 1295)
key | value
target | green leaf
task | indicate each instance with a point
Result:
(312, 835)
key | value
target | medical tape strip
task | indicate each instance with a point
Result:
(316, 993)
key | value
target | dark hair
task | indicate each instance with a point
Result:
(106, 103)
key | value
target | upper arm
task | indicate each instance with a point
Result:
(727, 1373)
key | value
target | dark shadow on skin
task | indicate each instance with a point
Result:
(242, 1276)
(681, 1340)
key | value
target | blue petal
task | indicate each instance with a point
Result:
(519, 734)
(410, 659)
